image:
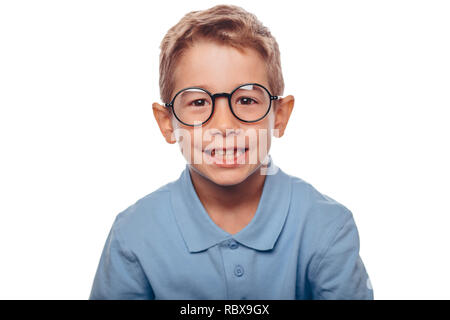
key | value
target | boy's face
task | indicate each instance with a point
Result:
(219, 68)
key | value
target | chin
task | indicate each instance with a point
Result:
(224, 176)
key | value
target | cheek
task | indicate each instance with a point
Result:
(271, 119)
(260, 144)
(185, 140)
(264, 142)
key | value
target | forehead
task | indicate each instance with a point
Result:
(218, 67)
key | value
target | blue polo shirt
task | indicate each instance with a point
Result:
(300, 244)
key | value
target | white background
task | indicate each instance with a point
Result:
(79, 142)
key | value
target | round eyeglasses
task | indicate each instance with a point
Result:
(194, 106)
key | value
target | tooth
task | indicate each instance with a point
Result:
(239, 152)
(230, 156)
(230, 152)
(220, 152)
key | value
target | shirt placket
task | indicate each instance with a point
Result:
(236, 269)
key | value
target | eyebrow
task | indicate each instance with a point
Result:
(204, 86)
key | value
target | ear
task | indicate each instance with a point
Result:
(283, 112)
(163, 117)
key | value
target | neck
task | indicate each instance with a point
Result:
(230, 207)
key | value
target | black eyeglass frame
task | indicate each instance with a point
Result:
(222, 94)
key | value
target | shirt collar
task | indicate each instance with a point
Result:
(200, 232)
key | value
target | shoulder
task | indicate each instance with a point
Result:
(145, 217)
(318, 206)
(317, 216)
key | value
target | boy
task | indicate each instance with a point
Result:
(233, 225)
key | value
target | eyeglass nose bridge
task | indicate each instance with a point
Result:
(221, 94)
(228, 96)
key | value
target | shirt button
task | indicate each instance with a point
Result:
(238, 271)
(233, 244)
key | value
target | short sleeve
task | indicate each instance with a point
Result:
(119, 275)
(340, 273)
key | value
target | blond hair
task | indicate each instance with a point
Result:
(226, 24)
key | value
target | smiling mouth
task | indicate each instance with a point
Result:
(226, 154)
(223, 152)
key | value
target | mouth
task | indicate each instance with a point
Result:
(227, 157)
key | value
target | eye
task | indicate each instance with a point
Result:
(246, 101)
(198, 103)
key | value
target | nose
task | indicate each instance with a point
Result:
(222, 118)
